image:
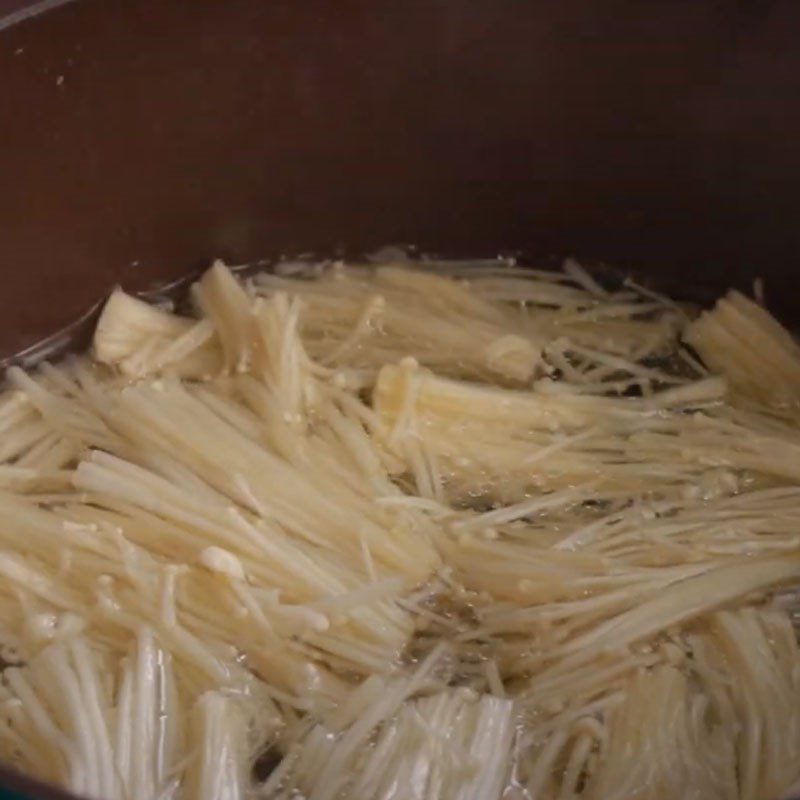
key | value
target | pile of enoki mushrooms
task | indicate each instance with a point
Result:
(411, 531)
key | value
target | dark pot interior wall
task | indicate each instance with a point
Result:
(141, 138)
(9, 7)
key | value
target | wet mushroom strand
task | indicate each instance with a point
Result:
(429, 530)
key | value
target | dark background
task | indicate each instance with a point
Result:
(141, 138)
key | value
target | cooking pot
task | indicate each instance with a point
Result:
(139, 139)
